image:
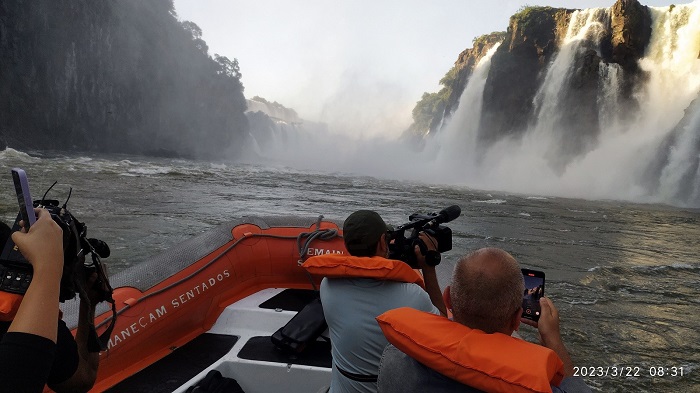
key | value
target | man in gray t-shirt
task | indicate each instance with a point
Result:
(352, 303)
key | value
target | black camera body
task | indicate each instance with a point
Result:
(76, 246)
(401, 247)
(16, 272)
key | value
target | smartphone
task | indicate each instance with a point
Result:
(24, 198)
(534, 290)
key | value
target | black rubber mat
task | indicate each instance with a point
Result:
(317, 354)
(290, 299)
(179, 367)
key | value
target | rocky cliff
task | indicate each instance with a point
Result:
(123, 76)
(431, 111)
(532, 38)
(519, 68)
(599, 102)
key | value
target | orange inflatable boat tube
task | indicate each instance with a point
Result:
(179, 295)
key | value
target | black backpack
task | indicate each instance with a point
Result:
(214, 382)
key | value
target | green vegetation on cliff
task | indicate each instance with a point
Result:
(432, 107)
(529, 17)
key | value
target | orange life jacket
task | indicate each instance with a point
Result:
(346, 266)
(9, 303)
(489, 362)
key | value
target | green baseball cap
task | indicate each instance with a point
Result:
(362, 231)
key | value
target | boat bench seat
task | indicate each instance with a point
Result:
(317, 354)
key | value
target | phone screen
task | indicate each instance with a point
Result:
(24, 198)
(534, 290)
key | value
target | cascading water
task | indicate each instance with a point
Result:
(585, 142)
(681, 175)
(626, 149)
(672, 60)
(556, 157)
(585, 27)
(456, 143)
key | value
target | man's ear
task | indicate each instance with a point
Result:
(382, 247)
(515, 321)
(447, 298)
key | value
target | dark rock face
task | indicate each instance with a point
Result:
(512, 96)
(577, 127)
(119, 76)
(517, 70)
(631, 31)
(630, 35)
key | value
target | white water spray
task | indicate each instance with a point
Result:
(456, 142)
(586, 26)
(613, 164)
(616, 165)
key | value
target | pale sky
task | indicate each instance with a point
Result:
(355, 64)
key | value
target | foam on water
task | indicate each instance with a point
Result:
(640, 264)
(491, 201)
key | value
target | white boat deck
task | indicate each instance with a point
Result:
(247, 320)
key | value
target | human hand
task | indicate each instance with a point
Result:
(42, 246)
(548, 325)
(430, 244)
(550, 335)
(96, 288)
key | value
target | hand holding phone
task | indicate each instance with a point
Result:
(534, 290)
(24, 198)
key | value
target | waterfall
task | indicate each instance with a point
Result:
(674, 82)
(557, 156)
(457, 141)
(609, 114)
(681, 175)
(588, 138)
(313, 148)
(554, 139)
(585, 25)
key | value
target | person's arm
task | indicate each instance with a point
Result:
(85, 375)
(550, 336)
(42, 246)
(432, 287)
(27, 350)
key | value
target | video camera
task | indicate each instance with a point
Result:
(16, 272)
(401, 247)
(76, 246)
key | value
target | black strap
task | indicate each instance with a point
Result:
(98, 343)
(357, 377)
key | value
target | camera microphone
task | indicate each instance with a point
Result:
(448, 214)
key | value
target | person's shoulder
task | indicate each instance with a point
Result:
(402, 294)
(572, 385)
(413, 289)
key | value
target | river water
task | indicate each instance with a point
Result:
(625, 277)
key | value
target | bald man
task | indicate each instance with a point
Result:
(486, 296)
